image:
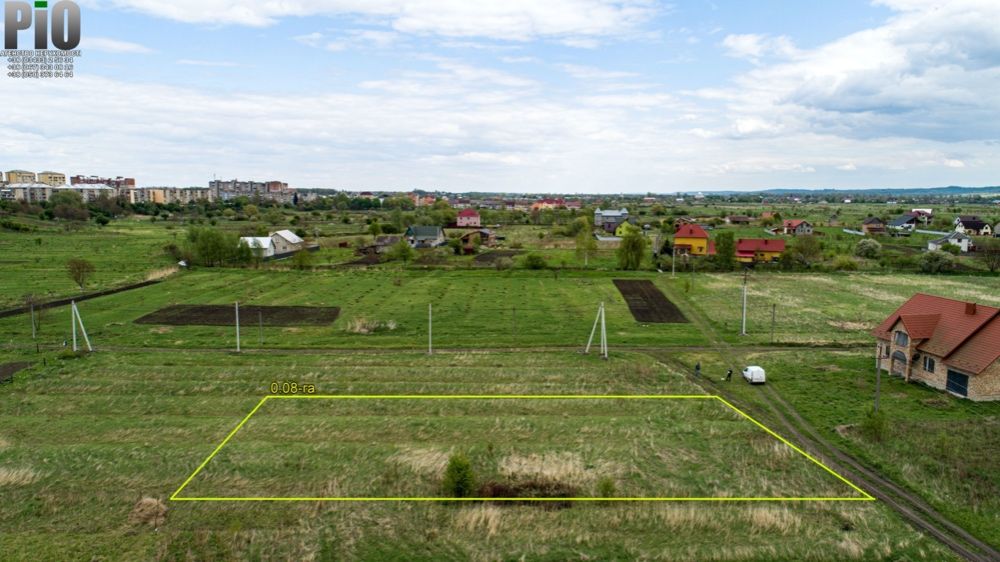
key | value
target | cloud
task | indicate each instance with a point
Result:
(108, 45)
(517, 20)
(753, 46)
(592, 73)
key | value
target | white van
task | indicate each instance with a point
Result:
(754, 374)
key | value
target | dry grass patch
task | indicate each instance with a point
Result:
(423, 461)
(148, 511)
(17, 476)
(481, 518)
(4, 443)
(773, 520)
(364, 325)
(564, 467)
(851, 326)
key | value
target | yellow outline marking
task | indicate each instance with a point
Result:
(174, 496)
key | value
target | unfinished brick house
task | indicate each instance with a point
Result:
(946, 344)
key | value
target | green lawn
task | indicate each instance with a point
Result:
(82, 440)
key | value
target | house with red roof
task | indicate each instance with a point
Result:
(759, 250)
(468, 218)
(797, 227)
(944, 343)
(691, 239)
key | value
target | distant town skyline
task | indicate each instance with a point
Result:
(568, 96)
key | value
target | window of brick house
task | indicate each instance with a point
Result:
(929, 364)
(902, 338)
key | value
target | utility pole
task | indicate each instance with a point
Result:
(774, 314)
(76, 319)
(260, 324)
(597, 321)
(673, 262)
(72, 321)
(604, 334)
(32, 320)
(743, 331)
(237, 326)
(878, 379)
(430, 329)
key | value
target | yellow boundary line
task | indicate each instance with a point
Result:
(176, 495)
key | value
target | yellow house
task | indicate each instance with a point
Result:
(624, 228)
(762, 250)
(692, 239)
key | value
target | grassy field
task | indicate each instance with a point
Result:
(471, 309)
(83, 440)
(35, 262)
(816, 308)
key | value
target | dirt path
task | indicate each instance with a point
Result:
(910, 506)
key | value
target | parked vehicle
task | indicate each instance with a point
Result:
(754, 374)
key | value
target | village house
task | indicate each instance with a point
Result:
(483, 237)
(903, 224)
(963, 241)
(286, 242)
(738, 219)
(609, 220)
(797, 227)
(260, 246)
(381, 245)
(973, 226)
(468, 218)
(623, 227)
(996, 230)
(872, 226)
(425, 236)
(946, 344)
(547, 204)
(692, 239)
(759, 250)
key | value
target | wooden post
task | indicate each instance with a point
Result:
(237, 327)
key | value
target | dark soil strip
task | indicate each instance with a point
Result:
(63, 302)
(647, 303)
(7, 371)
(225, 315)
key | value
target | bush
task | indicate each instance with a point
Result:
(606, 487)
(844, 263)
(936, 261)
(459, 478)
(535, 261)
(503, 264)
(868, 248)
(874, 427)
(15, 226)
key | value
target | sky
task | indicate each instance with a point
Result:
(553, 96)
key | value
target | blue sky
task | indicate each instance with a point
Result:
(575, 96)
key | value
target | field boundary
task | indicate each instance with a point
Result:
(176, 495)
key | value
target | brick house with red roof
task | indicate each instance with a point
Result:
(468, 218)
(944, 343)
(797, 227)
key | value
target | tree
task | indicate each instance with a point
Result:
(68, 205)
(586, 244)
(868, 248)
(988, 250)
(806, 250)
(935, 261)
(79, 270)
(725, 251)
(459, 478)
(632, 248)
(401, 251)
(535, 261)
(302, 259)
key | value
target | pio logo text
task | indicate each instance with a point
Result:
(65, 24)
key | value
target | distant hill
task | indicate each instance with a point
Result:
(889, 191)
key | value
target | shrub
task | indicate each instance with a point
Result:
(363, 325)
(606, 487)
(936, 261)
(874, 426)
(15, 226)
(535, 261)
(503, 264)
(459, 478)
(868, 248)
(844, 263)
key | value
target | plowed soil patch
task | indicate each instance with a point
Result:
(225, 315)
(648, 304)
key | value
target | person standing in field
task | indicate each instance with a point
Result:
(697, 369)
(729, 375)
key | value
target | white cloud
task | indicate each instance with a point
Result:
(592, 73)
(754, 46)
(517, 20)
(849, 167)
(108, 45)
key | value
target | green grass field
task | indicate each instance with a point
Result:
(83, 440)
